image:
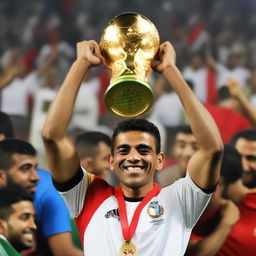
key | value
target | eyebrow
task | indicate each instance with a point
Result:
(28, 165)
(123, 146)
(140, 146)
(143, 146)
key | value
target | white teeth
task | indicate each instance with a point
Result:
(131, 168)
(28, 236)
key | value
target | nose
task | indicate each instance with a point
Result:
(133, 156)
(34, 176)
(188, 152)
(32, 224)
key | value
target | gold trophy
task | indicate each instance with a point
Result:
(128, 45)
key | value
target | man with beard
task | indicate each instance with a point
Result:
(228, 225)
(18, 165)
(17, 224)
(245, 143)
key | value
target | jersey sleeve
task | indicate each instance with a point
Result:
(192, 200)
(75, 196)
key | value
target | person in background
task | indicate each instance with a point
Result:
(245, 143)
(18, 165)
(93, 149)
(17, 221)
(243, 103)
(228, 225)
(183, 148)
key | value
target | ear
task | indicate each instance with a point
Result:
(3, 228)
(3, 178)
(111, 162)
(86, 163)
(160, 161)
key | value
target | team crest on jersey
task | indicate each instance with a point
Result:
(112, 214)
(155, 210)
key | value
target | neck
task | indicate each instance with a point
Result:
(136, 192)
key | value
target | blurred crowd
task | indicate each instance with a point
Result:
(214, 40)
(215, 43)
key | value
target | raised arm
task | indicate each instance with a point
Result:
(246, 107)
(62, 157)
(50, 59)
(204, 165)
(8, 76)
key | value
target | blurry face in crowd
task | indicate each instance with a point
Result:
(196, 62)
(51, 80)
(233, 61)
(185, 146)
(21, 226)
(23, 172)
(135, 160)
(100, 162)
(247, 149)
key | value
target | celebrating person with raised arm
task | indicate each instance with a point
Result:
(138, 217)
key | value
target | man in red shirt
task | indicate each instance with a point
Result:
(227, 227)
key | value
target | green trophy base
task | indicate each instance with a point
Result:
(129, 97)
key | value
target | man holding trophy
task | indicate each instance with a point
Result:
(138, 217)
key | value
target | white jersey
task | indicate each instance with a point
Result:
(164, 225)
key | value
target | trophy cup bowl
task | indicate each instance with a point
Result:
(128, 45)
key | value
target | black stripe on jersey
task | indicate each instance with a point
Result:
(133, 199)
(210, 190)
(65, 186)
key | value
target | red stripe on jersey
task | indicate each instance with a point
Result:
(97, 192)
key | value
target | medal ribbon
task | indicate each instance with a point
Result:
(128, 231)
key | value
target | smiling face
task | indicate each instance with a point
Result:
(21, 226)
(134, 161)
(23, 172)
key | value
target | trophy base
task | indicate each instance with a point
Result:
(129, 98)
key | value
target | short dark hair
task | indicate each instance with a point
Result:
(88, 141)
(183, 129)
(137, 124)
(6, 126)
(248, 134)
(8, 147)
(231, 166)
(223, 93)
(10, 195)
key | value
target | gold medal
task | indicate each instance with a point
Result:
(128, 249)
